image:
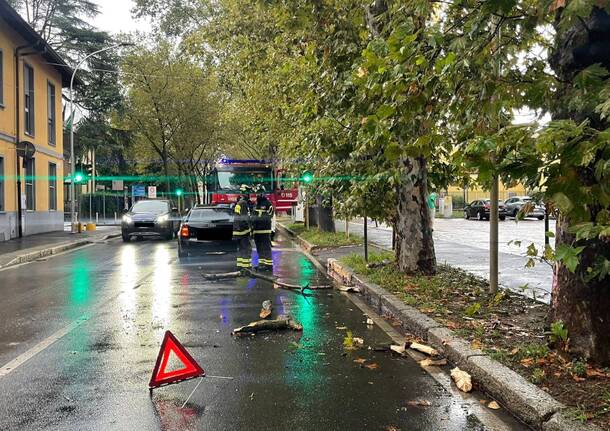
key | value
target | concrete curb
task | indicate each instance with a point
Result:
(55, 249)
(305, 245)
(529, 403)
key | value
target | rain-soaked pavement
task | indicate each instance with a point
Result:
(80, 333)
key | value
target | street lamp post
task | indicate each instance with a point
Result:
(72, 167)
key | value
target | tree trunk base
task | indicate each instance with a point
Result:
(583, 307)
(414, 243)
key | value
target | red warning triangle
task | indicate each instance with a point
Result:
(162, 377)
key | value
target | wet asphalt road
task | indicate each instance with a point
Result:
(85, 328)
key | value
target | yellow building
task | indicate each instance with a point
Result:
(32, 76)
(476, 192)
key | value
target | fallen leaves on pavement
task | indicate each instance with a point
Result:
(462, 379)
(493, 405)
(348, 341)
(266, 310)
(360, 360)
(372, 366)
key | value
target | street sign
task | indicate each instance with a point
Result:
(152, 192)
(161, 376)
(138, 191)
(117, 185)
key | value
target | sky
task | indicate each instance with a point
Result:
(115, 17)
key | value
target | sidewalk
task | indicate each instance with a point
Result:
(34, 247)
(472, 255)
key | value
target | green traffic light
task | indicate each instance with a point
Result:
(179, 192)
(78, 177)
(307, 177)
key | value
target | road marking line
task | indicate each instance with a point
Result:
(30, 353)
(24, 357)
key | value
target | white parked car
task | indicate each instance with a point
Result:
(514, 205)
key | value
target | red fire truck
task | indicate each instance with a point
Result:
(228, 175)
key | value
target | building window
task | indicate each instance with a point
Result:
(28, 79)
(52, 186)
(1, 78)
(1, 183)
(51, 112)
(30, 185)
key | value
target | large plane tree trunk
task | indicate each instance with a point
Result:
(583, 306)
(414, 243)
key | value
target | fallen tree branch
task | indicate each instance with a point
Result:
(282, 322)
(221, 275)
(283, 285)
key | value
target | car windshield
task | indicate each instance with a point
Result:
(231, 180)
(210, 214)
(154, 207)
(526, 199)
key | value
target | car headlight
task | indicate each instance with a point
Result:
(126, 219)
(163, 218)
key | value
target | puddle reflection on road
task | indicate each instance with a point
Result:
(174, 417)
(161, 288)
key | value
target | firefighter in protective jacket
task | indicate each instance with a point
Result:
(242, 230)
(261, 228)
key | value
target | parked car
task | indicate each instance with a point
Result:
(480, 209)
(207, 228)
(514, 205)
(150, 218)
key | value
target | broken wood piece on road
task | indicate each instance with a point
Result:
(349, 289)
(429, 362)
(424, 349)
(281, 323)
(400, 349)
(220, 275)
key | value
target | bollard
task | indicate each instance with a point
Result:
(97, 218)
